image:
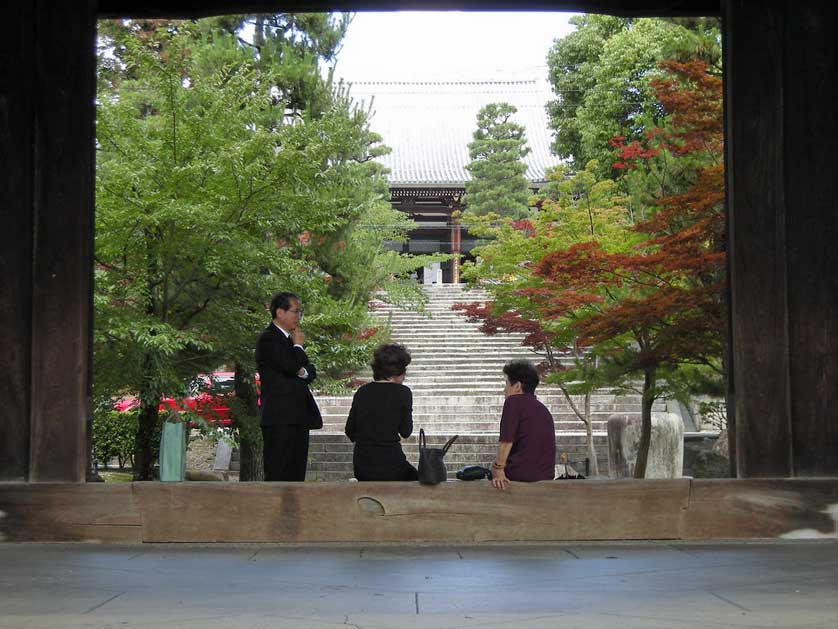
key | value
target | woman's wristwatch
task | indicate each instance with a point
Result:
(497, 466)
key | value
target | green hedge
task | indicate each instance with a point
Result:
(114, 437)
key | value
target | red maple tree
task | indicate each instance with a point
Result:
(661, 305)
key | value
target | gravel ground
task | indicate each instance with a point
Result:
(200, 454)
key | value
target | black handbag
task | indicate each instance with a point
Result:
(431, 466)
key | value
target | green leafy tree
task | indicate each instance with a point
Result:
(601, 76)
(288, 50)
(498, 185)
(208, 193)
(646, 300)
(579, 209)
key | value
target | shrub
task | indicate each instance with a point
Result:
(113, 437)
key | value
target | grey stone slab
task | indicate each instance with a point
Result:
(223, 455)
(625, 551)
(493, 585)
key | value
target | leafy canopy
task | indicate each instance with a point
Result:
(498, 185)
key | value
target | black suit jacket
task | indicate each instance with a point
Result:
(284, 397)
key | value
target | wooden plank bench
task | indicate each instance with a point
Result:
(453, 512)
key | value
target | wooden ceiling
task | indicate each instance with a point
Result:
(187, 9)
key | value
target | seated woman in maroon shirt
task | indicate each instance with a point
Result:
(527, 444)
(381, 412)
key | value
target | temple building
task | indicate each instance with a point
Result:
(429, 125)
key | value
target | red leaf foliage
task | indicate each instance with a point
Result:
(506, 322)
(693, 100)
(523, 225)
(667, 294)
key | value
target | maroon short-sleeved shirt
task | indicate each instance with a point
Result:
(528, 425)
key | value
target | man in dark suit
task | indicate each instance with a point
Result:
(288, 408)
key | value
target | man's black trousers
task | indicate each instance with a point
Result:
(285, 452)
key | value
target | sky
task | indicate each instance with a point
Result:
(451, 45)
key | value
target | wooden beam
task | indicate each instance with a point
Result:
(453, 512)
(62, 299)
(16, 166)
(100, 512)
(777, 508)
(191, 9)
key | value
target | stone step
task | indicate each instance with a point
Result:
(334, 461)
(429, 319)
(451, 297)
(569, 426)
(462, 349)
(420, 416)
(426, 314)
(466, 442)
(440, 383)
(474, 379)
(560, 414)
(438, 438)
(437, 329)
(461, 403)
(344, 468)
(563, 419)
(456, 347)
(468, 353)
(456, 376)
(426, 409)
(439, 338)
(494, 362)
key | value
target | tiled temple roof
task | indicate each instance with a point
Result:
(430, 124)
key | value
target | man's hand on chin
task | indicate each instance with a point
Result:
(298, 337)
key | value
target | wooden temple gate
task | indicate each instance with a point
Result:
(780, 69)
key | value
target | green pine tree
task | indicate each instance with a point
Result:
(498, 185)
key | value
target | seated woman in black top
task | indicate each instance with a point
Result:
(381, 411)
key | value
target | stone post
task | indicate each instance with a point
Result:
(666, 451)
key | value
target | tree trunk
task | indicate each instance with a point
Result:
(646, 424)
(146, 427)
(590, 430)
(143, 445)
(251, 465)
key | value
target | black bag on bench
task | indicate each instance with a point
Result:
(474, 472)
(431, 466)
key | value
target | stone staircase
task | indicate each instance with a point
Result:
(457, 381)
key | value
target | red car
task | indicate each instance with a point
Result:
(208, 399)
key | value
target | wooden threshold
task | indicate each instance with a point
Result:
(454, 512)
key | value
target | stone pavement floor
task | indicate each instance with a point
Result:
(566, 585)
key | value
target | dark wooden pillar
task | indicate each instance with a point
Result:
(781, 64)
(16, 167)
(47, 134)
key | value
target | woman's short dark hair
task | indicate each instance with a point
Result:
(282, 301)
(389, 361)
(522, 371)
